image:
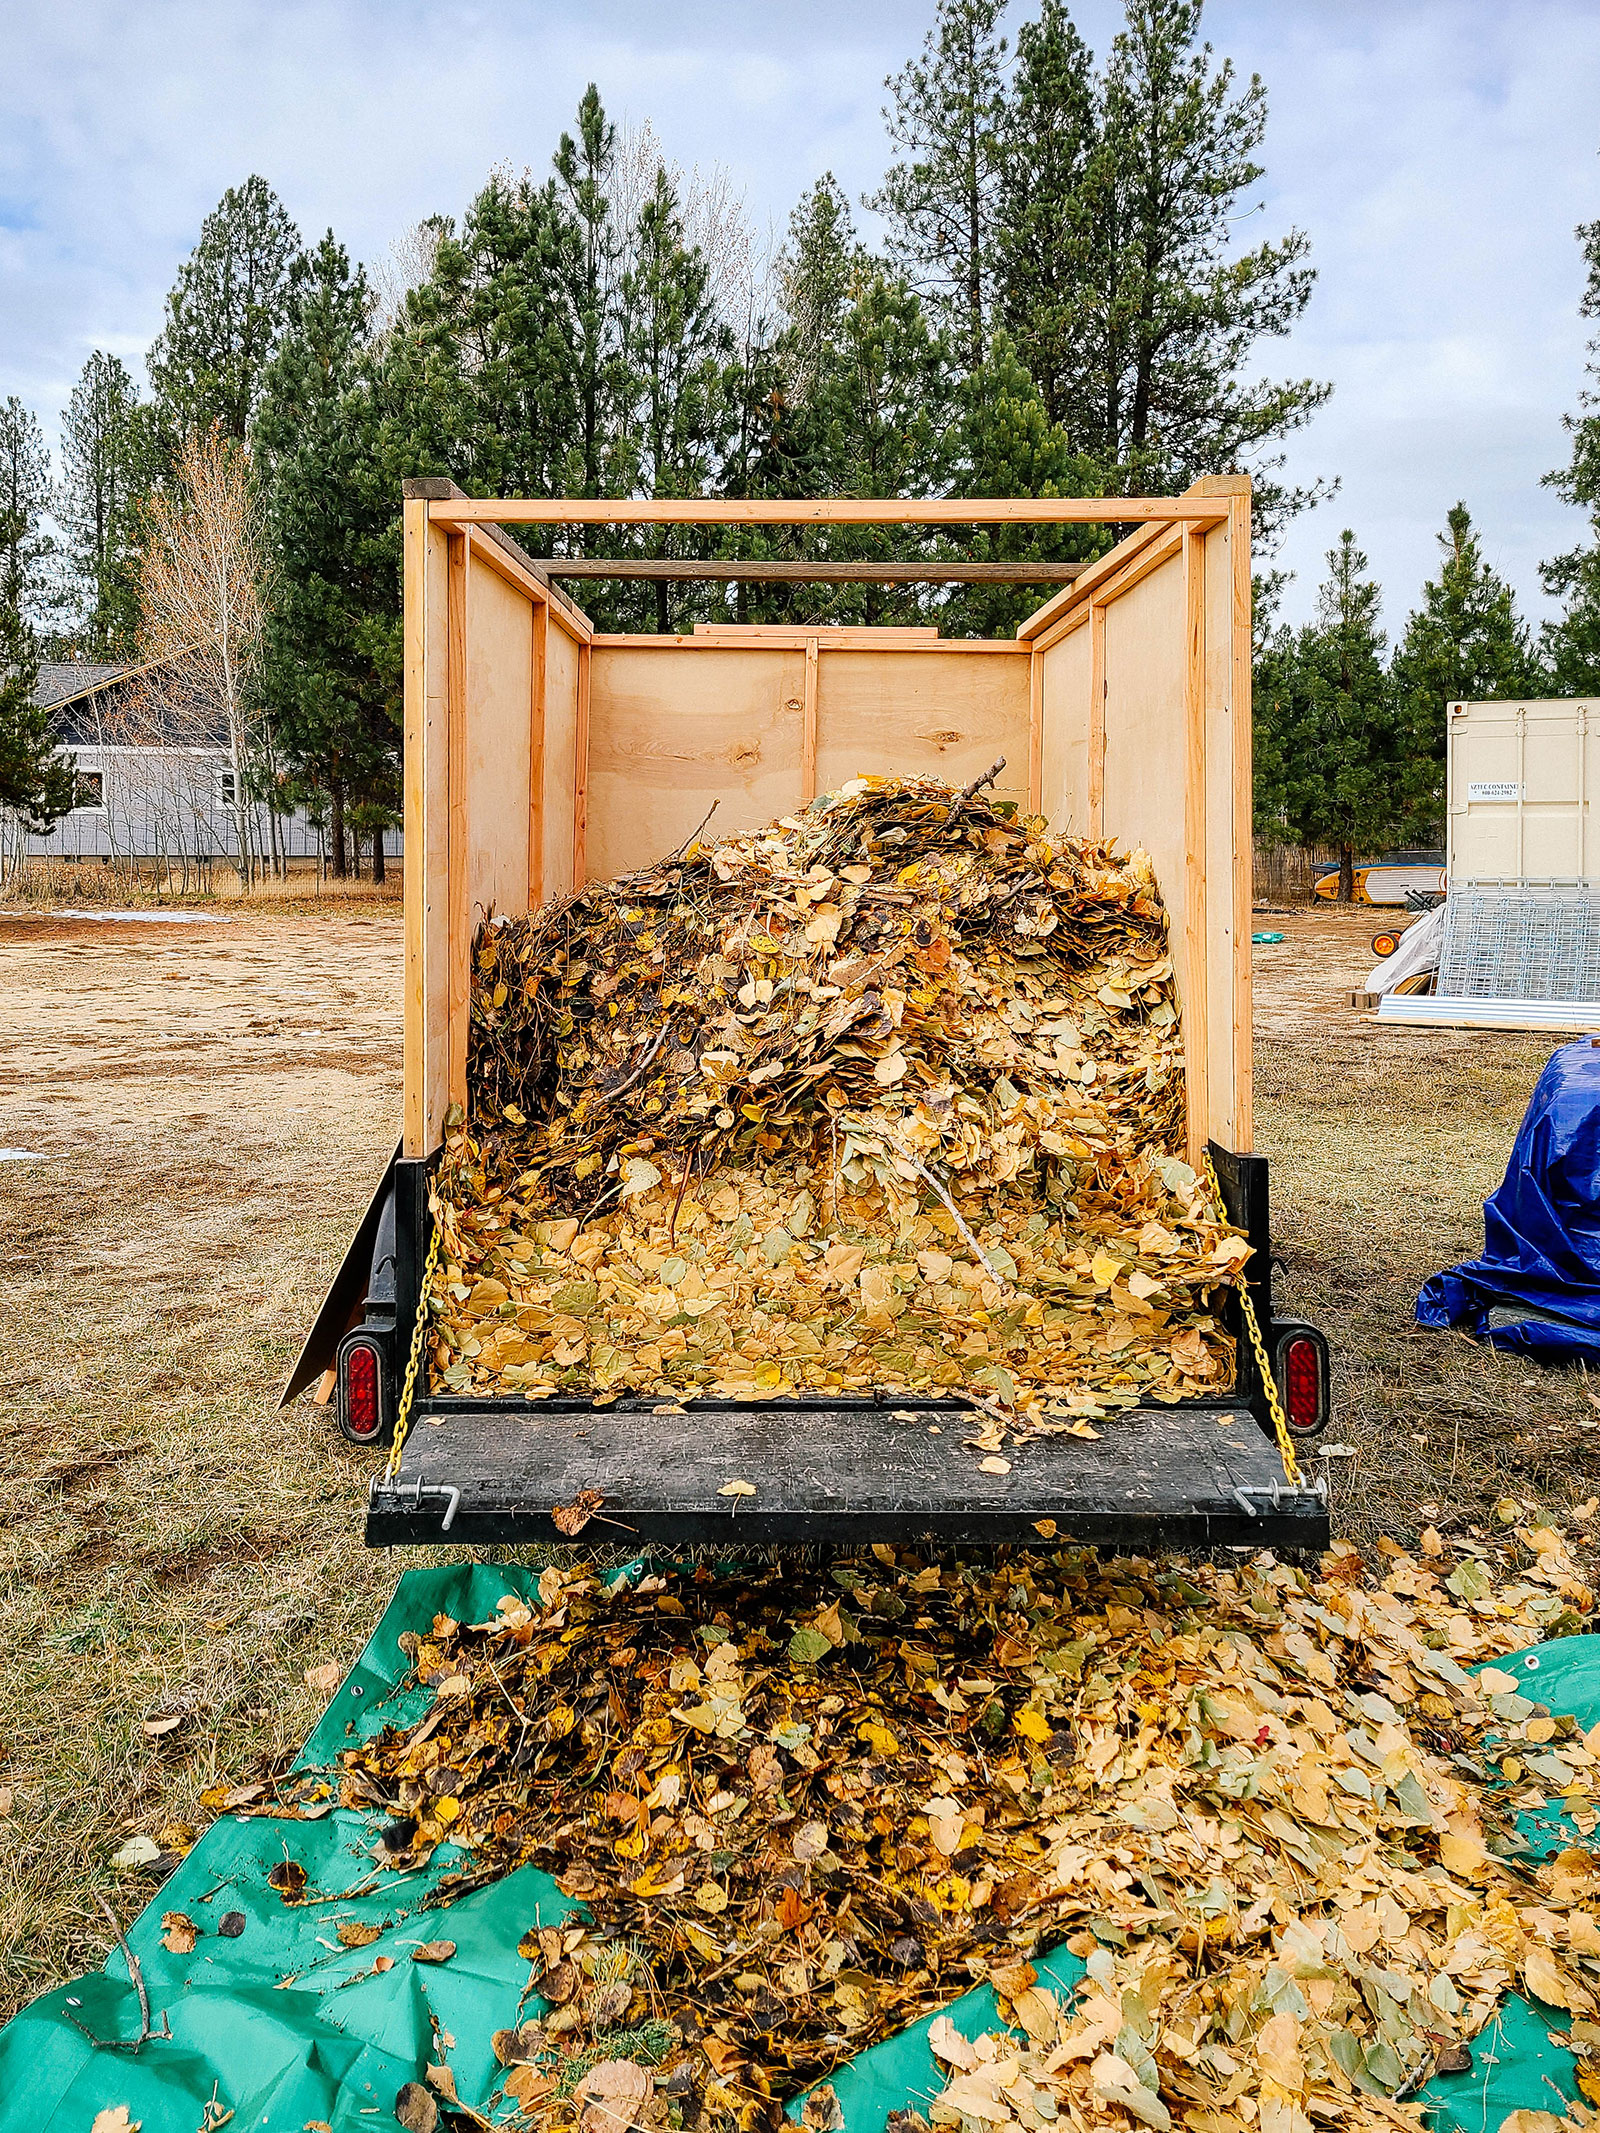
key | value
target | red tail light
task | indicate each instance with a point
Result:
(1302, 1382)
(361, 1407)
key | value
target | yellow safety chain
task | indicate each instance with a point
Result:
(1280, 1421)
(402, 1421)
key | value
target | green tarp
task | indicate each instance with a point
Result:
(337, 2043)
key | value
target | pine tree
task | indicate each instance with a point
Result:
(1047, 138)
(1571, 645)
(224, 315)
(591, 271)
(1003, 443)
(95, 505)
(1168, 312)
(1465, 643)
(30, 574)
(1336, 754)
(38, 782)
(940, 200)
(681, 378)
(332, 666)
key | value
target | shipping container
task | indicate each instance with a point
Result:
(1521, 778)
(541, 753)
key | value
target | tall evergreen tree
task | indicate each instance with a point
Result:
(1571, 645)
(224, 315)
(1337, 761)
(38, 781)
(95, 505)
(1465, 643)
(591, 271)
(332, 671)
(29, 578)
(940, 199)
(1040, 246)
(1168, 312)
(681, 375)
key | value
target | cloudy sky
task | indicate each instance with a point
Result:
(1438, 152)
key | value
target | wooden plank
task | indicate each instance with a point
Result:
(540, 637)
(580, 768)
(718, 637)
(1154, 1478)
(1097, 720)
(1151, 553)
(1196, 942)
(1035, 733)
(414, 571)
(1242, 774)
(1060, 605)
(835, 633)
(505, 565)
(562, 654)
(923, 711)
(823, 511)
(786, 573)
(808, 730)
(499, 739)
(673, 728)
(1064, 740)
(457, 905)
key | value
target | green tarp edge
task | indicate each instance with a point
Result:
(338, 2040)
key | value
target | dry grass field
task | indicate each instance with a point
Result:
(211, 1103)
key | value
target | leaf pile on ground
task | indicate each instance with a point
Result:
(886, 1095)
(802, 1808)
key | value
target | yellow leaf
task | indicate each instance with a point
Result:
(1033, 1725)
(1105, 1269)
(878, 1737)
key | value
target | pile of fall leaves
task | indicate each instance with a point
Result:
(796, 1810)
(886, 1096)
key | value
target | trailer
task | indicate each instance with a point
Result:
(541, 754)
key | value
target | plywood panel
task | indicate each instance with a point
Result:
(498, 741)
(922, 714)
(1064, 751)
(426, 1012)
(560, 756)
(673, 728)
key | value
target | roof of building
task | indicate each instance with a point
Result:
(77, 693)
(62, 681)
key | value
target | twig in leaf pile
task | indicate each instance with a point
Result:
(977, 785)
(694, 833)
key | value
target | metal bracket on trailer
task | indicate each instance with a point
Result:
(411, 1497)
(1281, 1495)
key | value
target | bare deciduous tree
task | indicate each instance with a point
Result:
(202, 597)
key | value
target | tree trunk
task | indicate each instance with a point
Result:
(336, 847)
(1347, 873)
(379, 873)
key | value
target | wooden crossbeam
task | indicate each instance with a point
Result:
(821, 511)
(784, 573)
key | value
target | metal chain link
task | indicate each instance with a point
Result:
(402, 1421)
(1280, 1421)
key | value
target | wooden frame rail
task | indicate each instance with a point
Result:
(460, 510)
(769, 572)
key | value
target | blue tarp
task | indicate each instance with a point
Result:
(1539, 1274)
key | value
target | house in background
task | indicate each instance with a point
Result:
(155, 779)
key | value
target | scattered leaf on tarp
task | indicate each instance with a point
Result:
(356, 1933)
(433, 1951)
(114, 2119)
(288, 1877)
(178, 1933)
(416, 2109)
